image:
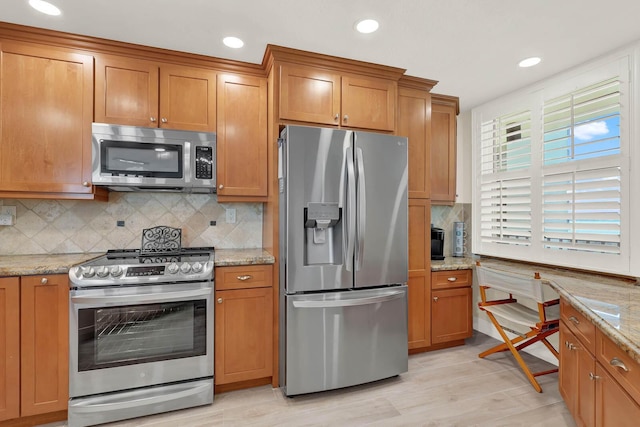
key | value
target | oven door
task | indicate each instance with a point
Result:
(129, 337)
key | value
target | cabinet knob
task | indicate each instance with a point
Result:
(336, 117)
(86, 184)
(152, 119)
(619, 364)
(220, 186)
(44, 280)
(244, 277)
(219, 300)
(452, 279)
(435, 299)
(164, 120)
(345, 118)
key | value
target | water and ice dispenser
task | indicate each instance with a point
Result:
(323, 237)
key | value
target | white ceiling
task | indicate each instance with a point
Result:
(470, 46)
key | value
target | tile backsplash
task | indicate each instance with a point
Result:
(74, 226)
(444, 217)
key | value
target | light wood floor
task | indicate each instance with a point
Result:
(451, 387)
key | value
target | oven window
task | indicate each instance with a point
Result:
(128, 335)
(141, 159)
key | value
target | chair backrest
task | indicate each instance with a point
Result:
(512, 283)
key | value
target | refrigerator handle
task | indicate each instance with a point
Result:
(281, 165)
(362, 209)
(350, 302)
(350, 232)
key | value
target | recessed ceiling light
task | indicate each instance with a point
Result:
(44, 7)
(233, 42)
(367, 26)
(529, 62)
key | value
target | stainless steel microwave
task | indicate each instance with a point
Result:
(131, 158)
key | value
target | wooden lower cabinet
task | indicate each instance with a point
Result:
(451, 317)
(599, 390)
(419, 283)
(243, 324)
(37, 372)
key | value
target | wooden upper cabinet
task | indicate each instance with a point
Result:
(9, 348)
(144, 93)
(241, 137)
(444, 110)
(46, 112)
(316, 95)
(414, 122)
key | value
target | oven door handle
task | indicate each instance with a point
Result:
(141, 298)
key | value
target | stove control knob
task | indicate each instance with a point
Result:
(173, 268)
(88, 272)
(102, 272)
(116, 271)
(185, 268)
(196, 267)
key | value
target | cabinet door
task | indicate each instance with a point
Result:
(568, 369)
(126, 91)
(9, 348)
(44, 335)
(46, 115)
(187, 98)
(368, 103)
(243, 336)
(419, 294)
(241, 137)
(309, 95)
(443, 152)
(451, 315)
(414, 122)
(614, 407)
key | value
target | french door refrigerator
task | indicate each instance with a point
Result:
(344, 258)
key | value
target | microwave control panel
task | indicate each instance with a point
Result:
(204, 162)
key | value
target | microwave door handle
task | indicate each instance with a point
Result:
(133, 162)
(110, 300)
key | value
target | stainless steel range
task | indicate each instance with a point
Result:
(141, 334)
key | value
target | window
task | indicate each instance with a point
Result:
(551, 174)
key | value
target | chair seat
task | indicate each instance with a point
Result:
(518, 313)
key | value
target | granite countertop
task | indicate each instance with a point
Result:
(453, 263)
(27, 265)
(612, 304)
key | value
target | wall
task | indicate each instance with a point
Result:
(444, 217)
(70, 226)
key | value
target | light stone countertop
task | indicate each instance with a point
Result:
(453, 263)
(28, 265)
(612, 304)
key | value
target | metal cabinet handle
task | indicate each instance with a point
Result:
(219, 300)
(152, 119)
(619, 364)
(574, 320)
(164, 120)
(569, 345)
(220, 186)
(86, 184)
(44, 281)
(346, 117)
(435, 299)
(244, 277)
(336, 117)
(452, 279)
(593, 377)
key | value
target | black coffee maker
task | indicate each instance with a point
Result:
(437, 243)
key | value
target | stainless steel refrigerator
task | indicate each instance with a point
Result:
(343, 258)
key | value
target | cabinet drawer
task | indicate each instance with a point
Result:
(619, 364)
(579, 325)
(450, 279)
(242, 277)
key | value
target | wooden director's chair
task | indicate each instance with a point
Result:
(542, 322)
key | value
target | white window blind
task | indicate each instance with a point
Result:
(505, 211)
(506, 143)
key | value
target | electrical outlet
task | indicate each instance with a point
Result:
(231, 216)
(6, 219)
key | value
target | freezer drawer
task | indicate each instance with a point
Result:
(340, 339)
